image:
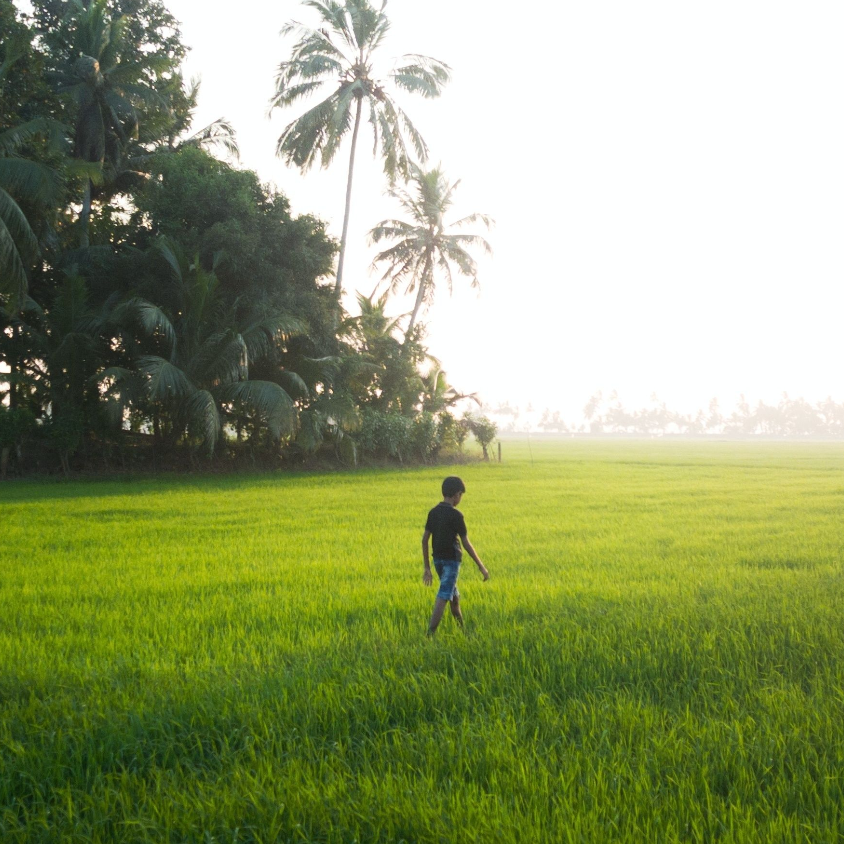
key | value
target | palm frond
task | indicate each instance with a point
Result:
(14, 138)
(474, 218)
(150, 317)
(293, 384)
(303, 140)
(335, 15)
(265, 398)
(221, 358)
(204, 417)
(389, 230)
(29, 180)
(311, 427)
(463, 260)
(13, 280)
(166, 381)
(418, 142)
(469, 240)
(220, 133)
(311, 42)
(290, 94)
(445, 267)
(339, 124)
(392, 147)
(422, 75)
(15, 223)
(172, 254)
(261, 336)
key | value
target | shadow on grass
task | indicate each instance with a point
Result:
(48, 489)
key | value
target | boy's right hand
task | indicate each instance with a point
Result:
(484, 572)
(426, 577)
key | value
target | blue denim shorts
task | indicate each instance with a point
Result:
(447, 571)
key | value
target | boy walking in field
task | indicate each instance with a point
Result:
(445, 524)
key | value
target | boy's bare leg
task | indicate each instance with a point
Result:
(436, 615)
(455, 611)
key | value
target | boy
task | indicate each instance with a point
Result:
(445, 523)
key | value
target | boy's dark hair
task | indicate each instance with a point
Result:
(452, 485)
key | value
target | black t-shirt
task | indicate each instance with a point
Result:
(445, 524)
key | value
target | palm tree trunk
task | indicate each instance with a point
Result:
(418, 304)
(85, 216)
(338, 287)
(423, 281)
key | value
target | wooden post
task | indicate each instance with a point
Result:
(499, 451)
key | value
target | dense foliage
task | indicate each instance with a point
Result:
(159, 306)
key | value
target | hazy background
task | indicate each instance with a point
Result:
(667, 180)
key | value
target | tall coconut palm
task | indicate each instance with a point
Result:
(341, 53)
(425, 243)
(108, 91)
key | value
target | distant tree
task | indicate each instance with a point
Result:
(484, 430)
(714, 420)
(341, 52)
(554, 422)
(832, 416)
(424, 244)
(801, 419)
(591, 412)
(742, 420)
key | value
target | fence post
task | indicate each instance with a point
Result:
(499, 451)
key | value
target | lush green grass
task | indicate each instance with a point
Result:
(659, 655)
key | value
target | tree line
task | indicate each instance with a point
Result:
(787, 418)
(159, 305)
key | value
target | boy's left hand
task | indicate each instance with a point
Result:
(426, 577)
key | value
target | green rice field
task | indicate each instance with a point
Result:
(658, 656)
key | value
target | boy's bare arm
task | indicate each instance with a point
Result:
(470, 550)
(426, 575)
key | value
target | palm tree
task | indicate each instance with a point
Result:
(393, 381)
(424, 244)
(438, 395)
(207, 348)
(219, 133)
(341, 52)
(107, 90)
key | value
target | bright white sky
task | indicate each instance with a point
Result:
(667, 180)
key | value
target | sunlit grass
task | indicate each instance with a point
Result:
(658, 656)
